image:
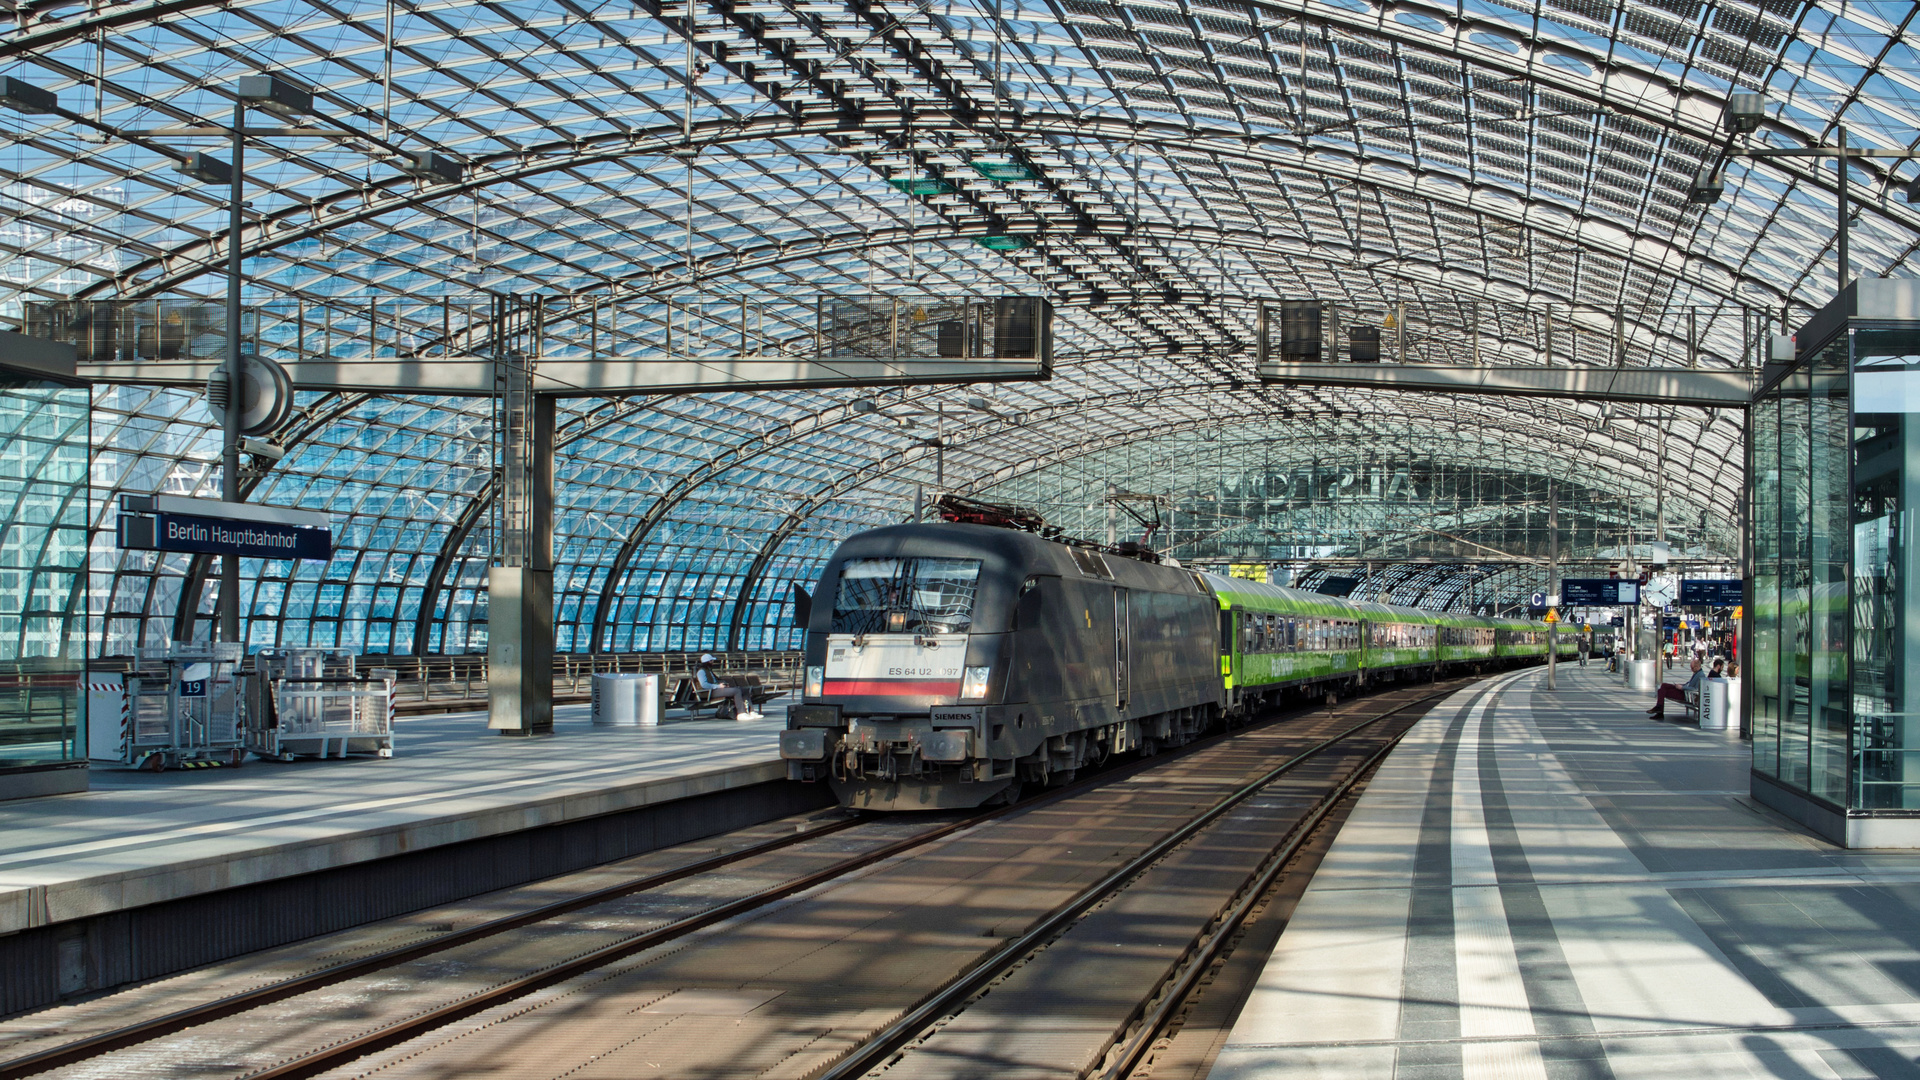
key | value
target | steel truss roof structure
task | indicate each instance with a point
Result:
(1166, 164)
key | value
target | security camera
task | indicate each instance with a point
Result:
(263, 448)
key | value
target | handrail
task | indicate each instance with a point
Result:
(463, 677)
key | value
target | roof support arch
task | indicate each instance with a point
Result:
(281, 228)
(798, 516)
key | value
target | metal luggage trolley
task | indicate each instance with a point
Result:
(180, 706)
(314, 708)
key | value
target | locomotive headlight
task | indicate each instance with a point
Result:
(975, 683)
(816, 681)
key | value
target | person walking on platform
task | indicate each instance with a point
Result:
(741, 697)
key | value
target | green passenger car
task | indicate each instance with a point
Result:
(1275, 639)
(1467, 639)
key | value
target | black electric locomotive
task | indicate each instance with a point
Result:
(947, 665)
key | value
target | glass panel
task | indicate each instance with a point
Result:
(1886, 491)
(1766, 585)
(1828, 692)
(44, 436)
(1795, 581)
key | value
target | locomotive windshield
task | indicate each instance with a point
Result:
(905, 596)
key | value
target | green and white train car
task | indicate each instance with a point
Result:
(1276, 640)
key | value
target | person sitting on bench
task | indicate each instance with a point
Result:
(741, 697)
(1669, 692)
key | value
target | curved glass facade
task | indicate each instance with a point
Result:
(1484, 183)
(44, 436)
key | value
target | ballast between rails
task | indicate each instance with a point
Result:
(323, 1059)
(95, 1046)
(955, 995)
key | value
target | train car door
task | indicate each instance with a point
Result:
(1122, 646)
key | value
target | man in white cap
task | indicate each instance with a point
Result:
(742, 699)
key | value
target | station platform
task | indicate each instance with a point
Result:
(150, 842)
(1547, 884)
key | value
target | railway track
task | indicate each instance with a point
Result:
(594, 951)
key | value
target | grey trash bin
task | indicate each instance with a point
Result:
(621, 700)
(1643, 674)
(1720, 705)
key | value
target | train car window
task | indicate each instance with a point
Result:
(905, 596)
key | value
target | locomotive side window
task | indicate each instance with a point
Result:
(906, 596)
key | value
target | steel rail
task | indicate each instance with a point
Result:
(955, 994)
(330, 1057)
(379, 1038)
(1152, 1017)
(181, 1019)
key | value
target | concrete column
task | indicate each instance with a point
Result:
(520, 598)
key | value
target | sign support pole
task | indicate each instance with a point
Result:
(229, 599)
(1553, 584)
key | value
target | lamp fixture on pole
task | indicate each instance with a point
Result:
(1744, 113)
(285, 99)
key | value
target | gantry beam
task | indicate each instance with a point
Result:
(1657, 386)
(468, 377)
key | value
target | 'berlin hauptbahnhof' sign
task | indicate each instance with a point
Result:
(213, 527)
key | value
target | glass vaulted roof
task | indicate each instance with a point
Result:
(1472, 170)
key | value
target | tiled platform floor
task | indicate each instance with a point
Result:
(1549, 885)
(139, 838)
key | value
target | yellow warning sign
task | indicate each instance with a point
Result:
(1553, 616)
(1248, 571)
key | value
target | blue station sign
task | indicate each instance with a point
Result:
(1598, 592)
(212, 527)
(1712, 592)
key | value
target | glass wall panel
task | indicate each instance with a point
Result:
(1796, 565)
(1828, 707)
(1766, 584)
(44, 437)
(1886, 492)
